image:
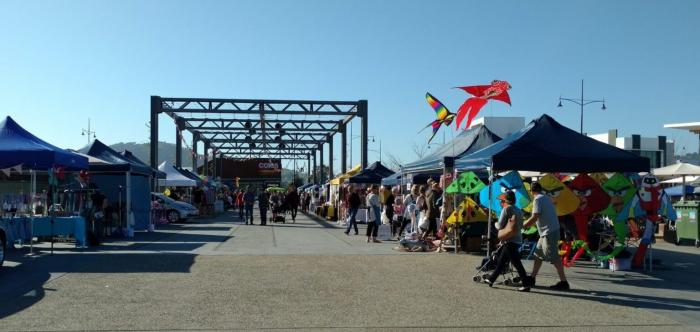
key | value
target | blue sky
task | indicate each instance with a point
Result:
(62, 62)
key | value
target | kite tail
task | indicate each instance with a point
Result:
(477, 104)
(469, 109)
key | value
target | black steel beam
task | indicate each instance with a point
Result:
(343, 148)
(155, 110)
(363, 133)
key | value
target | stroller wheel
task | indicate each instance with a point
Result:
(508, 282)
(476, 278)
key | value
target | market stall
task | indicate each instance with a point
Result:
(373, 174)
(21, 151)
(126, 183)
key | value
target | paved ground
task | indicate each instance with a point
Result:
(218, 274)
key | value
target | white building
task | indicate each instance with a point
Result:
(658, 149)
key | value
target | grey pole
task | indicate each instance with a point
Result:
(194, 153)
(205, 167)
(178, 145)
(320, 170)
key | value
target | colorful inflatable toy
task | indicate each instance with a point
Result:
(510, 181)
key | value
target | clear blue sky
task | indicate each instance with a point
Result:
(62, 62)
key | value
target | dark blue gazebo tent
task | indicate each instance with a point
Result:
(123, 179)
(418, 178)
(466, 142)
(372, 174)
(20, 147)
(544, 145)
(126, 154)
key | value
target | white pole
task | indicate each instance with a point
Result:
(488, 224)
(683, 190)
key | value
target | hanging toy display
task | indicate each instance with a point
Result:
(467, 211)
(511, 181)
(651, 203)
(466, 183)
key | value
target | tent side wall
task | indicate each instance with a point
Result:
(109, 183)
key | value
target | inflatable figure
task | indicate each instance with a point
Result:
(510, 181)
(592, 199)
(467, 211)
(650, 202)
(599, 177)
(498, 90)
(467, 183)
(562, 197)
(443, 115)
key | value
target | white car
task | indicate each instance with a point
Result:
(175, 210)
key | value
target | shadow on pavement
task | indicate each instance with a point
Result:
(23, 285)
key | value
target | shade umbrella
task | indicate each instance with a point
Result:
(276, 189)
(678, 169)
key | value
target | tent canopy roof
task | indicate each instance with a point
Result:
(678, 169)
(126, 154)
(343, 177)
(18, 146)
(117, 162)
(372, 174)
(173, 177)
(545, 145)
(468, 141)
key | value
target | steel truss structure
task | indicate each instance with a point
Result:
(260, 128)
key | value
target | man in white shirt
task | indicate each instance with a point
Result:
(544, 215)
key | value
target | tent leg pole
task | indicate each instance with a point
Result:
(488, 224)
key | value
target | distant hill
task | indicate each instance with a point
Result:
(166, 151)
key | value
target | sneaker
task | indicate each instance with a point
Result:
(487, 281)
(524, 289)
(347, 233)
(562, 285)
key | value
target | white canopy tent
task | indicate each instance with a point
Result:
(681, 170)
(173, 177)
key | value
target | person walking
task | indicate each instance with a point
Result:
(433, 211)
(389, 200)
(353, 205)
(510, 225)
(374, 214)
(292, 201)
(544, 215)
(249, 202)
(239, 202)
(263, 205)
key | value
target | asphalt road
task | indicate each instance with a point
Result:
(217, 274)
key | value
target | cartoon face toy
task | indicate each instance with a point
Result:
(467, 183)
(510, 181)
(562, 197)
(621, 190)
(467, 211)
(592, 197)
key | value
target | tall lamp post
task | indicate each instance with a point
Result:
(582, 102)
(87, 132)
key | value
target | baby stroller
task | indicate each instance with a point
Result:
(488, 264)
(278, 211)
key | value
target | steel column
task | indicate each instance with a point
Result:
(155, 110)
(205, 167)
(343, 149)
(313, 171)
(330, 157)
(320, 170)
(178, 145)
(195, 141)
(308, 168)
(362, 110)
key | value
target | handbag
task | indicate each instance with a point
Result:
(509, 231)
(424, 222)
(385, 219)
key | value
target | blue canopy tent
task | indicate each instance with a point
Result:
(20, 147)
(125, 180)
(677, 191)
(373, 174)
(544, 145)
(468, 141)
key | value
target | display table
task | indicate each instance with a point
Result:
(20, 228)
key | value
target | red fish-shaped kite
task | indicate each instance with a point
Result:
(498, 90)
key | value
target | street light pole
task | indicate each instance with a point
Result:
(582, 102)
(88, 132)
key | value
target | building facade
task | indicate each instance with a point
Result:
(659, 149)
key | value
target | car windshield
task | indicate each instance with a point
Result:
(165, 198)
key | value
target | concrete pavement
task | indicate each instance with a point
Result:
(218, 274)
